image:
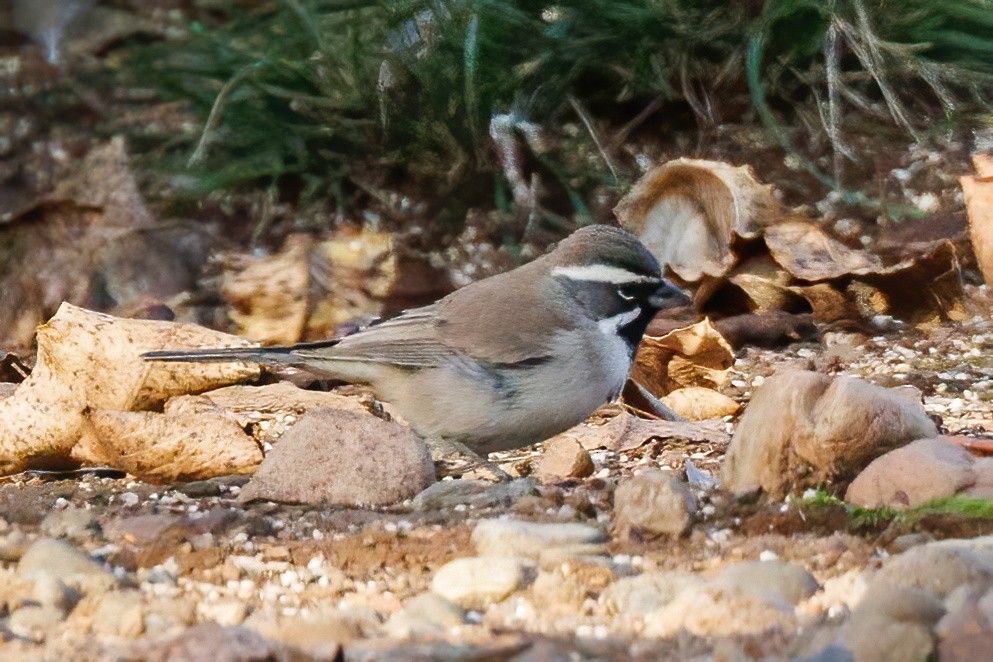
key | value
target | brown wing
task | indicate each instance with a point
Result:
(498, 321)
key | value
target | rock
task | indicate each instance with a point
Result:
(514, 538)
(772, 581)
(51, 592)
(34, 622)
(61, 561)
(966, 632)
(914, 474)
(558, 593)
(473, 493)
(74, 524)
(696, 403)
(477, 581)
(653, 503)
(893, 624)
(642, 594)
(117, 613)
(712, 611)
(209, 641)
(336, 457)
(940, 567)
(804, 429)
(226, 611)
(320, 635)
(424, 614)
(563, 457)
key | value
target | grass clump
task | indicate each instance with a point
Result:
(468, 99)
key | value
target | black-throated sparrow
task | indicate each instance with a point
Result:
(506, 361)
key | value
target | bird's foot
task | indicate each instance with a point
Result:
(453, 458)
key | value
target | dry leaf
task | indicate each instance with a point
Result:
(89, 361)
(978, 192)
(697, 355)
(626, 432)
(169, 447)
(695, 403)
(268, 295)
(93, 242)
(689, 212)
(808, 253)
(251, 404)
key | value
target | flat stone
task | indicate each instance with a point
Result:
(337, 457)
(772, 581)
(473, 493)
(209, 641)
(510, 537)
(478, 581)
(653, 503)
(711, 611)
(424, 614)
(643, 594)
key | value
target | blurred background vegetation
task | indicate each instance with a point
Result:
(542, 114)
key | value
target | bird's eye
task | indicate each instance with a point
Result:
(627, 296)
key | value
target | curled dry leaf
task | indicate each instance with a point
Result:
(90, 361)
(689, 212)
(697, 355)
(978, 192)
(168, 447)
(696, 403)
(809, 253)
(268, 295)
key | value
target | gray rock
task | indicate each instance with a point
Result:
(965, 633)
(710, 611)
(478, 581)
(74, 524)
(893, 624)
(509, 537)
(653, 502)
(642, 594)
(474, 493)
(34, 622)
(57, 560)
(337, 457)
(209, 641)
(771, 581)
(803, 429)
(939, 567)
(424, 614)
(906, 477)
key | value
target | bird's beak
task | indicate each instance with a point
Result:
(669, 296)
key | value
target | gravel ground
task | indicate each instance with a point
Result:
(180, 555)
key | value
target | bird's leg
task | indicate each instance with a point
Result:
(444, 450)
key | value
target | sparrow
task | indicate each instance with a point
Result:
(506, 361)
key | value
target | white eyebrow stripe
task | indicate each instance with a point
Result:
(602, 273)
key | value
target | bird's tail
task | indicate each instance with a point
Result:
(284, 355)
